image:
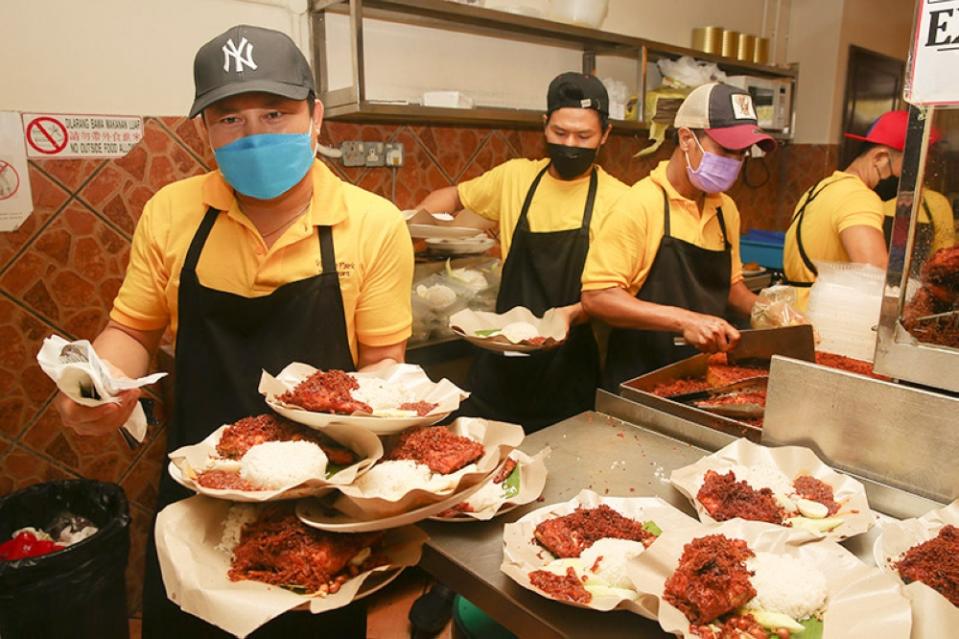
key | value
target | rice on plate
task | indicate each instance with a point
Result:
(266, 458)
(749, 576)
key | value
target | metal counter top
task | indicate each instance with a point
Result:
(467, 556)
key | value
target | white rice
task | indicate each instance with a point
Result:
(614, 554)
(490, 495)
(273, 465)
(519, 331)
(379, 394)
(785, 584)
(392, 479)
(439, 483)
(238, 516)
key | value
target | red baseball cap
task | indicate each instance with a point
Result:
(889, 129)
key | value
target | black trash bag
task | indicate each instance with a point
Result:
(79, 591)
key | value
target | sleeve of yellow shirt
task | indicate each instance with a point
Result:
(383, 310)
(856, 208)
(141, 302)
(733, 223)
(484, 194)
(616, 253)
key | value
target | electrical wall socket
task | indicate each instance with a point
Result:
(394, 154)
(374, 154)
(354, 153)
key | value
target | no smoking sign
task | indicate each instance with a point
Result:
(46, 135)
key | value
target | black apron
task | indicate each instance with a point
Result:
(798, 217)
(542, 271)
(684, 275)
(925, 236)
(223, 342)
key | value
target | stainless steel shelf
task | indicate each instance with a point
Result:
(386, 112)
(480, 21)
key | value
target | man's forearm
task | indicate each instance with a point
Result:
(445, 200)
(127, 349)
(741, 299)
(619, 309)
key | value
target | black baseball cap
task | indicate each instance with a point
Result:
(578, 91)
(727, 115)
(244, 59)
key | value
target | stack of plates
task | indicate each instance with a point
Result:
(460, 246)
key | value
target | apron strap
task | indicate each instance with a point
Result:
(667, 226)
(590, 200)
(522, 221)
(199, 240)
(327, 254)
(932, 222)
(797, 220)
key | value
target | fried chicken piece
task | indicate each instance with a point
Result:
(505, 471)
(437, 447)
(567, 587)
(570, 535)
(244, 434)
(935, 563)
(279, 549)
(725, 498)
(941, 271)
(711, 579)
(223, 480)
(326, 392)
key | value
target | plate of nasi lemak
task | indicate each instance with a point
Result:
(515, 331)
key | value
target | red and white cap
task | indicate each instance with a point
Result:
(889, 129)
(727, 115)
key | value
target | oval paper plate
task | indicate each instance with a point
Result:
(445, 394)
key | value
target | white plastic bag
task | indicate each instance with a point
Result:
(689, 72)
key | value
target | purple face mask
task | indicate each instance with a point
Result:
(715, 174)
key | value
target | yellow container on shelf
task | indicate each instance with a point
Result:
(708, 39)
(761, 54)
(730, 43)
(746, 47)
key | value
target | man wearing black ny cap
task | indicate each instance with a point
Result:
(547, 211)
(268, 260)
(666, 262)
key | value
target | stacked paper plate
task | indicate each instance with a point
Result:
(844, 307)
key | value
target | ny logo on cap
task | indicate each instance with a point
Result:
(241, 55)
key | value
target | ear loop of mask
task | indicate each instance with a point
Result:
(702, 151)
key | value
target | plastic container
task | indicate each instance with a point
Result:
(586, 13)
(763, 247)
(844, 306)
(78, 592)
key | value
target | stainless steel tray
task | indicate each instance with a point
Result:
(640, 389)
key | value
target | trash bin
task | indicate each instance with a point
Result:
(76, 592)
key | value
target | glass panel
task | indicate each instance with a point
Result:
(931, 312)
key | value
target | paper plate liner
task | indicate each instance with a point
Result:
(791, 461)
(862, 601)
(532, 481)
(498, 440)
(445, 394)
(522, 555)
(195, 572)
(189, 460)
(933, 616)
(465, 323)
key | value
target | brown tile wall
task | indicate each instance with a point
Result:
(60, 271)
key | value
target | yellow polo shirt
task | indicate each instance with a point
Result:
(374, 255)
(845, 202)
(558, 205)
(629, 239)
(942, 217)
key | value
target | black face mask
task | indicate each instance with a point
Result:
(887, 188)
(570, 161)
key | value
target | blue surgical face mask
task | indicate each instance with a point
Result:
(267, 165)
(716, 174)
